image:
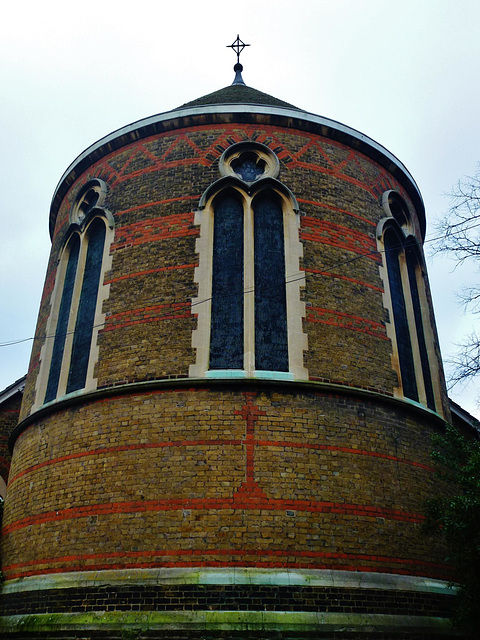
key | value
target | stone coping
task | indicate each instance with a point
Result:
(258, 114)
(215, 621)
(229, 576)
(295, 386)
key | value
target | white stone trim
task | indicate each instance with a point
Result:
(295, 281)
(426, 317)
(300, 621)
(234, 575)
(99, 319)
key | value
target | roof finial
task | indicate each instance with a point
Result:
(238, 46)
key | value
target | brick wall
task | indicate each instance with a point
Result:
(9, 413)
(172, 473)
(154, 188)
(222, 477)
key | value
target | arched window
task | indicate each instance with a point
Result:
(82, 335)
(71, 257)
(226, 334)
(271, 343)
(69, 352)
(232, 268)
(393, 255)
(417, 361)
(249, 279)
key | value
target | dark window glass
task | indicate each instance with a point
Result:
(427, 378)
(271, 345)
(226, 338)
(62, 323)
(404, 345)
(249, 167)
(82, 338)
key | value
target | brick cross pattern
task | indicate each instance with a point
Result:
(250, 413)
(314, 154)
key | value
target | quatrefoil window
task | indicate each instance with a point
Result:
(249, 166)
(249, 161)
(90, 196)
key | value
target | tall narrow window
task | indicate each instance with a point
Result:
(414, 343)
(226, 338)
(63, 317)
(70, 350)
(413, 268)
(249, 306)
(393, 251)
(233, 322)
(271, 344)
(82, 337)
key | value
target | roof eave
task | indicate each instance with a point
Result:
(243, 113)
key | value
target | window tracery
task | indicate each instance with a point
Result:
(405, 295)
(70, 350)
(249, 314)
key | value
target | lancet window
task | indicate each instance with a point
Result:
(249, 308)
(69, 353)
(410, 317)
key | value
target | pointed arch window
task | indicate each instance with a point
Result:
(249, 315)
(87, 304)
(61, 330)
(410, 316)
(226, 333)
(271, 339)
(70, 350)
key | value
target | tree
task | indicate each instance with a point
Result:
(456, 518)
(459, 236)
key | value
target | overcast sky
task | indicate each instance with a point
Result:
(404, 73)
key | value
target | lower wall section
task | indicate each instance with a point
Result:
(184, 603)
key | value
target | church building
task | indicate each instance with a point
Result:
(226, 424)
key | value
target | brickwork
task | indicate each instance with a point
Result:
(153, 193)
(153, 471)
(221, 478)
(9, 413)
(229, 598)
(137, 634)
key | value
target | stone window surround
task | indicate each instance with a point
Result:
(265, 157)
(79, 225)
(405, 234)
(204, 217)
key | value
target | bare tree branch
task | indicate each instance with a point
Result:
(459, 231)
(459, 236)
(466, 364)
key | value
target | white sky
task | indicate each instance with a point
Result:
(404, 73)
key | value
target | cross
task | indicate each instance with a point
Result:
(238, 46)
(250, 413)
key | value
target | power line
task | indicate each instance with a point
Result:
(288, 280)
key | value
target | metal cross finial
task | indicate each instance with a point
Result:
(238, 46)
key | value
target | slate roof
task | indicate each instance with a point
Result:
(238, 93)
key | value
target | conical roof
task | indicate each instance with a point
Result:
(238, 93)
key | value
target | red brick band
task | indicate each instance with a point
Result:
(156, 203)
(240, 500)
(138, 274)
(346, 321)
(329, 274)
(246, 558)
(339, 236)
(332, 208)
(201, 443)
(153, 229)
(144, 315)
